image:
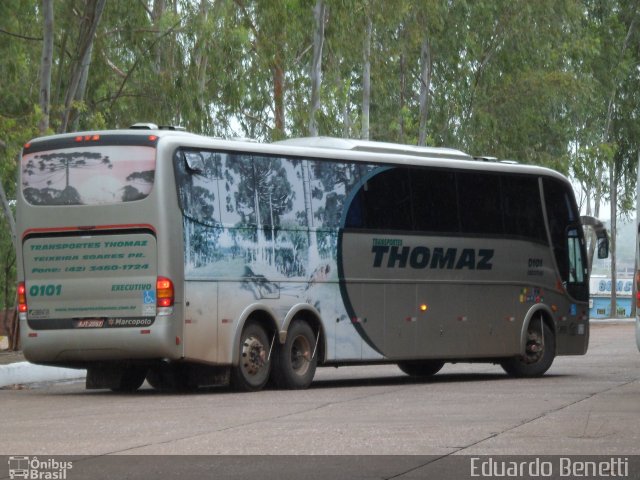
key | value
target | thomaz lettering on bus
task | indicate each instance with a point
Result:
(423, 257)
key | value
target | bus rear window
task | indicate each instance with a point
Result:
(88, 175)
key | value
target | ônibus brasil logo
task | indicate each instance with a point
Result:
(33, 468)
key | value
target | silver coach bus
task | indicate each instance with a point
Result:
(186, 260)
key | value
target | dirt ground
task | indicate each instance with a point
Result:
(10, 357)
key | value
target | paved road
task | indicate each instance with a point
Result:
(584, 406)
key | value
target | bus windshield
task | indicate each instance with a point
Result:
(88, 175)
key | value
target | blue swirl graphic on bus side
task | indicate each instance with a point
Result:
(350, 214)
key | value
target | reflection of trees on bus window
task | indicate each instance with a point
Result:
(198, 175)
(54, 170)
(88, 176)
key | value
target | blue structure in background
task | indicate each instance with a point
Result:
(600, 297)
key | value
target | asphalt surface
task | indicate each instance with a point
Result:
(387, 424)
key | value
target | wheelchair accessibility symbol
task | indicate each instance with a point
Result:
(149, 297)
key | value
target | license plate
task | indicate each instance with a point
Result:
(90, 323)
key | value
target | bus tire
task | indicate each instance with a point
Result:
(131, 380)
(296, 361)
(421, 368)
(170, 378)
(540, 353)
(254, 366)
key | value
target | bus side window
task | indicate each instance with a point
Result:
(435, 203)
(522, 208)
(480, 203)
(387, 200)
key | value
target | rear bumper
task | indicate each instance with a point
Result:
(81, 347)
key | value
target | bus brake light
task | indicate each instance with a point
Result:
(87, 138)
(22, 298)
(164, 292)
(638, 289)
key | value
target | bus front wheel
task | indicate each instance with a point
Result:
(540, 352)
(254, 366)
(421, 368)
(295, 362)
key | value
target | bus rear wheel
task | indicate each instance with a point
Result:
(254, 366)
(540, 352)
(421, 368)
(296, 361)
(170, 378)
(131, 380)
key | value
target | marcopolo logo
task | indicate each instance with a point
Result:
(37, 469)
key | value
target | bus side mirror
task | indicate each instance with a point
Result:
(602, 239)
(603, 247)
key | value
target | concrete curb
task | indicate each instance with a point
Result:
(611, 321)
(22, 373)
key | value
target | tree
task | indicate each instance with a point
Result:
(551, 82)
(366, 75)
(82, 60)
(45, 65)
(608, 145)
(316, 65)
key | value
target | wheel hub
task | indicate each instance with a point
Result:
(254, 355)
(300, 355)
(534, 348)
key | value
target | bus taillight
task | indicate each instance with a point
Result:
(638, 288)
(87, 138)
(22, 298)
(164, 295)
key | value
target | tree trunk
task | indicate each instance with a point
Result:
(613, 178)
(88, 27)
(278, 97)
(8, 318)
(316, 66)
(634, 289)
(425, 85)
(614, 212)
(45, 66)
(8, 213)
(82, 86)
(57, 89)
(346, 117)
(156, 16)
(200, 62)
(366, 79)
